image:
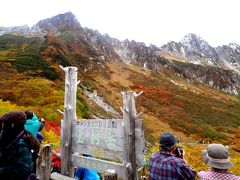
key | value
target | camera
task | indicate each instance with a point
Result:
(179, 151)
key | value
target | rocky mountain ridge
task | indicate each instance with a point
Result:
(56, 25)
(192, 58)
(196, 50)
(179, 95)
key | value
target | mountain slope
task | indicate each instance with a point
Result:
(67, 31)
(193, 109)
(193, 99)
(196, 50)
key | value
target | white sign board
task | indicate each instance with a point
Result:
(104, 138)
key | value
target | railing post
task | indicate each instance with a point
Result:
(129, 116)
(110, 175)
(44, 163)
(69, 115)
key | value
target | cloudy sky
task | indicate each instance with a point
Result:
(149, 21)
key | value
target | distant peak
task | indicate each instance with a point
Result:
(69, 15)
(193, 41)
(58, 23)
(234, 45)
(191, 37)
(65, 16)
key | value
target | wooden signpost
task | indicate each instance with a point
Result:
(99, 138)
(116, 144)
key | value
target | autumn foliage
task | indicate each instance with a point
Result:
(31, 80)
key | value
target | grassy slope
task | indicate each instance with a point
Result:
(196, 110)
(193, 112)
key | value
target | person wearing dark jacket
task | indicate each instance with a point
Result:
(15, 147)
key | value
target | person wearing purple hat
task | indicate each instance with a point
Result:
(217, 157)
(166, 165)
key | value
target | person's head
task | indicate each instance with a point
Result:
(12, 124)
(167, 141)
(217, 156)
(32, 124)
(29, 114)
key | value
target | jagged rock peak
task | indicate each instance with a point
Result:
(191, 37)
(234, 45)
(22, 30)
(58, 23)
(193, 42)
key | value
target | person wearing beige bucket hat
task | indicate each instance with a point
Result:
(217, 157)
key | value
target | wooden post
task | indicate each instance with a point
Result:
(69, 115)
(44, 163)
(110, 175)
(57, 176)
(129, 116)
